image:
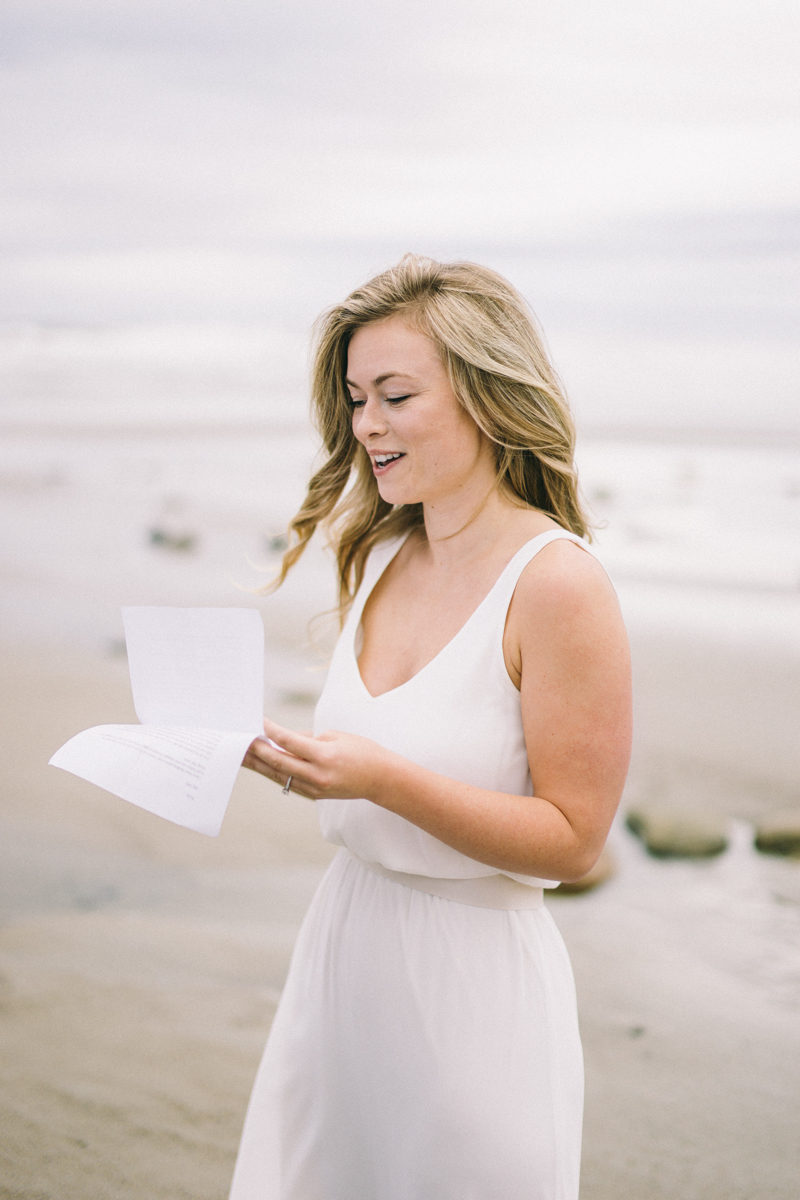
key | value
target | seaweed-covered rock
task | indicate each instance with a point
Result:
(779, 833)
(678, 832)
(603, 870)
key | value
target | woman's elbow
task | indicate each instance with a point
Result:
(577, 865)
(576, 858)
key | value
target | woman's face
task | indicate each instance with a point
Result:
(423, 445)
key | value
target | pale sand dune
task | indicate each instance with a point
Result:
(140, 965)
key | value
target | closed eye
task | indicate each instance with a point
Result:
(389, 400)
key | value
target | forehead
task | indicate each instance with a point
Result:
(391, 345)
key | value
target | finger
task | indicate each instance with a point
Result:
(280, 776)
(261, 756)
(279, 765)
(257, 762)
(274, 745)
(298, 744)
(278, 762)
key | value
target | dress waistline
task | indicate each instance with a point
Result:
(487, 891)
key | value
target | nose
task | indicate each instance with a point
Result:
(369, 420)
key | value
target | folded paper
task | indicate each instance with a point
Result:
(197, 677)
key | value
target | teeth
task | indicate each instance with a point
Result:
(382, 459)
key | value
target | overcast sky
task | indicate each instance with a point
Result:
(210, 127)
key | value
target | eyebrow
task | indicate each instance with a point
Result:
(380, 379)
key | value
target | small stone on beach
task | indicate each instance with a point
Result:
(678, 833)
(180, 543)
(779, 833)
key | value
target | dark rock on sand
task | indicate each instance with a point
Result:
(779, 833)
(604, 869)
(678, 833)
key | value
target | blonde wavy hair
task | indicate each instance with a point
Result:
(499, 370)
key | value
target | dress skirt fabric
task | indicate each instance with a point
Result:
(423, 1049)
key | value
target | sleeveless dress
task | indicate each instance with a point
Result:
(426, 1043)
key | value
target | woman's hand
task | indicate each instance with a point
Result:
(339, 766)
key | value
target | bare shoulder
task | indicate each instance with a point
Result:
(564, 603)
(564, 576)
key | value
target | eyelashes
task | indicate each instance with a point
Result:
(388, 399)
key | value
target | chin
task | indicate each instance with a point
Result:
(395, 495)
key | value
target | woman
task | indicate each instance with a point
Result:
(470, 748)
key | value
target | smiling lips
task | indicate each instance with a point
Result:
(382, 462)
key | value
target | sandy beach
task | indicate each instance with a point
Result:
(140, 964)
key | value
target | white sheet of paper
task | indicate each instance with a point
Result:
(202, 667)
(197, 676)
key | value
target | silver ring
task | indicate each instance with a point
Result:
(285, 790)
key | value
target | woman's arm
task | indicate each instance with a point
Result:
(566, 648)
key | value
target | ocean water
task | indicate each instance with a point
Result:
(159, 464)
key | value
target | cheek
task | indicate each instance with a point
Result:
(462, 441)
(356, 423)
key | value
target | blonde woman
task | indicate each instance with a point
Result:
(470, 748)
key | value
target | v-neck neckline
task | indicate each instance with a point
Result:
(456, 635)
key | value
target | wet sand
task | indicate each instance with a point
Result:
(140, 964)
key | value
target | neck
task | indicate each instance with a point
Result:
(466, 526)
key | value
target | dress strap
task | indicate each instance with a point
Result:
(503, 590)
(379, 558)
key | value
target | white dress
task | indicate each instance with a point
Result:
(426, 1044)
